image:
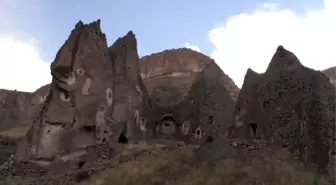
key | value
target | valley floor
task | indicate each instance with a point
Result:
(161, 165)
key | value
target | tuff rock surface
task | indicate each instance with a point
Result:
(12, 105)
(291, 106)
(80, 99)
(17, 107)
(190, 99)
(331, 73)
(102, 95)
(129, 92)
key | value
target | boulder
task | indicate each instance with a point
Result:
(291, 106)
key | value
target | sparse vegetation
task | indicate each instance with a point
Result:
(180, 168)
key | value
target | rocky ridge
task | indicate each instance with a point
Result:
(17, 108)
(291, 106)
(102, 99)
(97, 97)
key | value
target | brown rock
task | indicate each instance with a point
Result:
(17, 107)
(184, 63)
(292, 106)
(12, 105)
(188, 98)
(107, 95)
(331, 73)
(79, 98)
(129, 88)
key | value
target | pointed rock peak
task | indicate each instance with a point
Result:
(280, 48)
(283, 60)
(82, 36)
(250, 71)
(130, 34)
(79, 24)
(93, 27)
(128, 40)
(251, 75)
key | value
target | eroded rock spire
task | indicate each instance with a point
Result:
(80, 97)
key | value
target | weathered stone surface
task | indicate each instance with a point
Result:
(331, 73)
(289, 105)
(188, 97)
(35, 104)
(18, 107)
(101, 96)
(12, 105)
(180, 67)
(129, 89)
(74, 114)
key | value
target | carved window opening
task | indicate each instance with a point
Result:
(209, 139)
(168, 125)
(198, 133)
(109, 94)
(80, 164)
(210, 122)
(65, 96)
(101, 109)
(80, 71)
(89, 128)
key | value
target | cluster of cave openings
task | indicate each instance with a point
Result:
(168, 125)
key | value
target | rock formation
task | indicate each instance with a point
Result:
(129, 90)
(74, 114)
(291, 106)
(103, 95)
(19, 107)
(12, 105)
(188, 96)
(331, 73)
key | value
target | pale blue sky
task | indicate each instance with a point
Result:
(158, 24)
(238, 34)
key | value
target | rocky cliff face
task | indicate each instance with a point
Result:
(101, 94)
(180, 67)
(17, 107)
(291, 106)
(12, 105)
(191, 98)
(129, 89)
(74, 113)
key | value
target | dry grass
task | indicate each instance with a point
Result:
(16, 132)
(181, 168)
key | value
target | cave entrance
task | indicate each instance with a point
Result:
(168, 125)
(253, 129)
(122, 138)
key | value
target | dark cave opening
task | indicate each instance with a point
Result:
(167, 118)
(89, 128)
(253, 127)
(168, 124)
(122, 138)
